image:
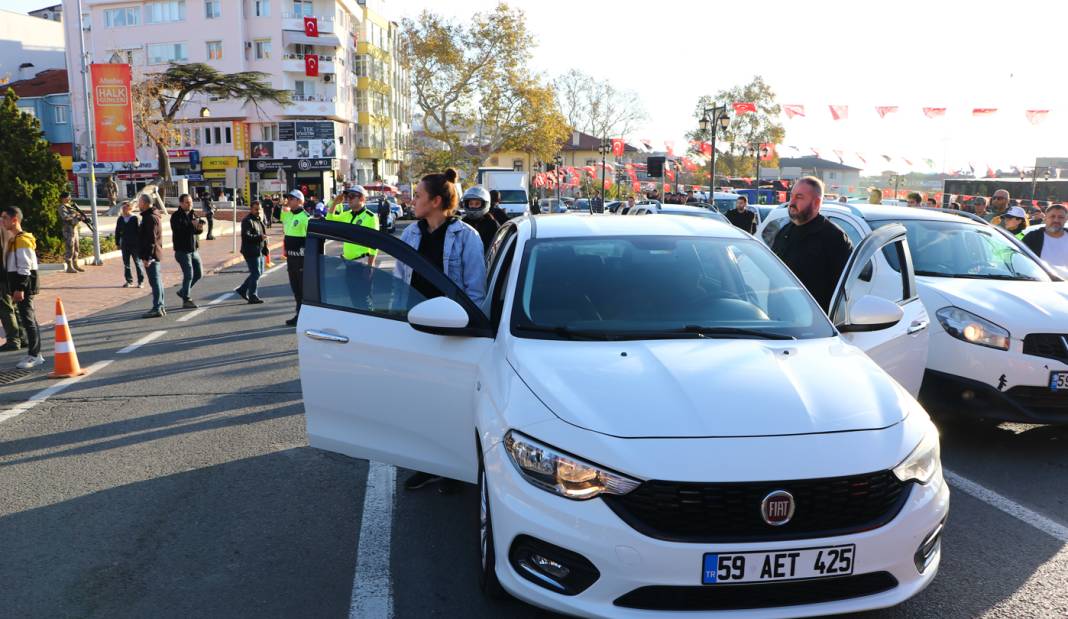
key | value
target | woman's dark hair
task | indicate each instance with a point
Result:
(443, 186)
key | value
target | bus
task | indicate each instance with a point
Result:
(1053, 190)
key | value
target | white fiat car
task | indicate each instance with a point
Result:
(658, 416)
(999, 351)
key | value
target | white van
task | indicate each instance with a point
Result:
(513, 187)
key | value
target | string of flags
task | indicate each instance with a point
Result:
(841, 112)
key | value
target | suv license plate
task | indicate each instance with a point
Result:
(801, 564)
(1058, 381)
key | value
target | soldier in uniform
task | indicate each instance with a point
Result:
(71, 219)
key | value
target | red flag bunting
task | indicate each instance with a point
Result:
(883, 110)
(839, 112)
(983, 111)
(1036, 116)
(862, 159)
(934, 112)
(670, 148)
(744, 108)
(617, 147)
(794, 110)
(311, 26)
(767, 152)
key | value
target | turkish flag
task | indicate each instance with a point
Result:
(311, 26)
(793, 110)
(636, 186)
(934, 112)
(617, 147)
(883, 110)
(667, 188)
(1036, 116)
(670, 148)
(744, 108)
(839, 112)
(983, 111)
(706, 149)
(311, 65)
(767, 152)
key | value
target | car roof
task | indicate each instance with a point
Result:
(565, 226)
(682, 208)
(723, 195)
(883, 212)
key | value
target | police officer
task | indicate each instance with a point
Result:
(813, 247)
(476, 202)
(295, 226)
(358, 215)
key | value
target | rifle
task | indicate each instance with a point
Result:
(82, 217)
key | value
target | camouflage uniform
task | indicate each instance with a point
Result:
(70, 220)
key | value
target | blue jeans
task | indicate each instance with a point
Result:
(191, 271)
(255, 270)
(155, 279)
(128, 257)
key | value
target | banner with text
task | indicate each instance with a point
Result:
(113, 112)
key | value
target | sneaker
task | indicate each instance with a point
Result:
(156, 313)
(10, 345)
(292, 322)
(417, 480)
(140, 284)
(241, 293)
(254, 300)
(128, 285)
(189, 304)
(30, 362)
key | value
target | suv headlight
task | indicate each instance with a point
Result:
(968, 327)
(924, 463)
(562, 473)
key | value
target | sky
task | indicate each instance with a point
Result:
(913, 54)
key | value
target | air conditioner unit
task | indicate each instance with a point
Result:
(328, 78)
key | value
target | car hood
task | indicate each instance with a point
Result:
(1020, 307)
(710, 387)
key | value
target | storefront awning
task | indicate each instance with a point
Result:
(293, 37)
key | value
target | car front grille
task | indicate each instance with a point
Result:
(1040, 399)
(758, 595)
(730, 512)
(1049, 345)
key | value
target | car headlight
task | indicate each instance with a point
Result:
(562, 473)
(924, 463)
(968, 327)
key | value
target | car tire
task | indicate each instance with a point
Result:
(487, 575)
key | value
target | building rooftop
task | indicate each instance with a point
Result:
(586, 141)
(50, 82)
(813, 162)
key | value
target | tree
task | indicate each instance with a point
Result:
(746, 132)
(596, 107)
(160, 96)
(471, 80)
(31, 176)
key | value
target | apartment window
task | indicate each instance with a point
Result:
(59, 114)
(269, 133)
(29, 111)
(117, 18)
(229, 140)
(303, 88)
(263, 49)
(263, 8)
(517, 165)
(212, 9)
(302, 8)
(207, 135)
(218, 135)
(214, 50)
(161, 53)
(164, 11)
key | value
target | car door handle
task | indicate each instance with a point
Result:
(323, 336)
(917, 326)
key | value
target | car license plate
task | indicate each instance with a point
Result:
(804, 563)
(1058, 381)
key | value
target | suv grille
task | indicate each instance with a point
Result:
(1049, 345)
(730, 512)
(1040, 399)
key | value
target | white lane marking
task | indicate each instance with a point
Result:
(155, 335)
(1010, 507)
(219, 299)
(372, 584)
(272, 269)
(44, 394)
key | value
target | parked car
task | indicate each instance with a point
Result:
(391, 220)
(997, 347)
(657, 415)
(679, 209)
(582, 205)
(551, 205)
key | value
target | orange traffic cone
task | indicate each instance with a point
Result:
(66, 358)
(267, 262)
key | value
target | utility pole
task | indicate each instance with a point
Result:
(87, 83)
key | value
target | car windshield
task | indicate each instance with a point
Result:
(513, 196)
(966, 250)
(704, 214)
(725, 204)
(654, 287)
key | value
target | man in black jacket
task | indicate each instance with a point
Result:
(813, 247)
(150, 251)
(253, 249)
(742, 217)
(185, 227)
(209, 214)
(126, 238)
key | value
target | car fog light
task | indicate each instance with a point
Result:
(929, 547)
(550, 567)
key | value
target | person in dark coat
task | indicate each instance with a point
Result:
(185, 228)
(209, 214)
(742, 217)
(495, 211)
(126, 233)
(476, 205)
(253, 249)
(813, 247)
(150, 251)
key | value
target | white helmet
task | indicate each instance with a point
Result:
(478, 192)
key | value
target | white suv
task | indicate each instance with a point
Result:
(1000, 350)
(657, 414)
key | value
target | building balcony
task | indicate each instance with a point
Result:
(295, 63)
(293, 21)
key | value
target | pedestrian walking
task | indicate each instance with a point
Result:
(13, 331)
(208, 210)
(268, 211)
(111, 191)
(496, 212)
(126, 237)
(1050, 243)
(476, 214)
(150, 251)
(20, 266)
(185, 228)
(449, 244)
(295, 226)
(71, 219)
(814, 248)
(254, 250)
(741, 216)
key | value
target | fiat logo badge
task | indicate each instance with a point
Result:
(777, 508)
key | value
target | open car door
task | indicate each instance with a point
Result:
(387, 374)
(898, 343)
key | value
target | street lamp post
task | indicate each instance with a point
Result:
(536, 171)
(606, 146)
(714, 119)
(558, 161)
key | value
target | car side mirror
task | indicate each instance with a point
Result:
(440, 315)
(871, 313)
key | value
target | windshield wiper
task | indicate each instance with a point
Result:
(735, 331)
(569, 333)
(992, 276)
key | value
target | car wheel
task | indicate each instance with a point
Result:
(487, 576)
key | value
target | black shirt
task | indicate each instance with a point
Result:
(817, 253)
(746, 220)
(486, 226)
(184, 231)
(431, 247)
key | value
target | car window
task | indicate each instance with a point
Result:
(659, 286)
(496, 244)
(500, 285)
(772, 229)
(353, 285)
